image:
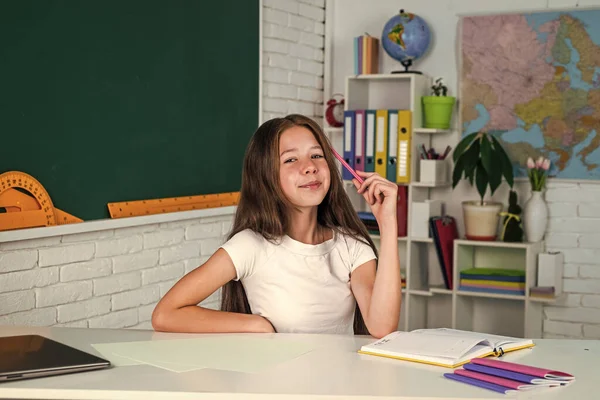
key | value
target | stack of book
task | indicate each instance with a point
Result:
(493, 280)
(370, 222)
(508, 378)
(543, 292)
(366, 55)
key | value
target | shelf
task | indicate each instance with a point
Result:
(396, 77)
(506, 245)
(490, 295)
(428, 303)
(420, 292)
(430, 184)
(546, 299)
(421, 240)
(431, 130)
(378, 237)
(433, 290)
(440, 290)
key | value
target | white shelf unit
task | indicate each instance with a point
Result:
(417, 255)
(514, 315)
(426, 302)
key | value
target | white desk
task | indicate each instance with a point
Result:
(332, 371)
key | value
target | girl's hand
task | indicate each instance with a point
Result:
(382, 196)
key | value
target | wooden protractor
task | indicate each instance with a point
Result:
(172, 204)
(27, 204)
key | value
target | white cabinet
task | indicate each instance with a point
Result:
(503, 314)
(426, 303)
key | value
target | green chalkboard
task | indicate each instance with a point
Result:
(114, 100)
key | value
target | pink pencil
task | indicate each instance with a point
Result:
(345, 164)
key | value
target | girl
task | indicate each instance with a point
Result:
(298, 258)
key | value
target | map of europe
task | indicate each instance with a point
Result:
(533, 80)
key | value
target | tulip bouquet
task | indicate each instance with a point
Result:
(537, 172)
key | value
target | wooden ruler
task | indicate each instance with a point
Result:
(27, 204)
(172, 204)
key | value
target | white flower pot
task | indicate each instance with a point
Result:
(481, 220)
(535, 217)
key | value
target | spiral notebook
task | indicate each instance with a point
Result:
(443, 347)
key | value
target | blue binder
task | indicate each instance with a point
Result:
(348, 142)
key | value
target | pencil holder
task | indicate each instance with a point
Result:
(433, 171)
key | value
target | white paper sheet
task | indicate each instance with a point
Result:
(231, 353)
(115, 359)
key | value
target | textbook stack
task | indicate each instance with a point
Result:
(370, 222)
(368, 219)
(493, 280)
(542, 292)
(366, 55)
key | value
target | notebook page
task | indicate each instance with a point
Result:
(411, 344)
(478, 350)
(494, 340)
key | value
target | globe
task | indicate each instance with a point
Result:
(405, 38)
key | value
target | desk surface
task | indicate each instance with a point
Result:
(333, 370)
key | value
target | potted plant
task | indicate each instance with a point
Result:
(481, 160)
(437, 109)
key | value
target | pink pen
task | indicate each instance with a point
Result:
(345, 164)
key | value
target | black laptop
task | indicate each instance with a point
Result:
(33, 356)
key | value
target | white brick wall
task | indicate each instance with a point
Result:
(147, 260)
(293, 54)
(574, 229)
(107, 279)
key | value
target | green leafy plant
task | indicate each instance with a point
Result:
(480, 158)
(439, 89)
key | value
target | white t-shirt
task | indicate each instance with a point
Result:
(299, 287)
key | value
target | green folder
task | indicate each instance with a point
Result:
(493, 271)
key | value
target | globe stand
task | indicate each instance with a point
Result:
(406, 64)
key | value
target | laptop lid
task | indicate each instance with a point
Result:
(30, 356)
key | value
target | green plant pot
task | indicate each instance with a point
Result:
(437, 111)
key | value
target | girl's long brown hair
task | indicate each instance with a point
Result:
(263, 207)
